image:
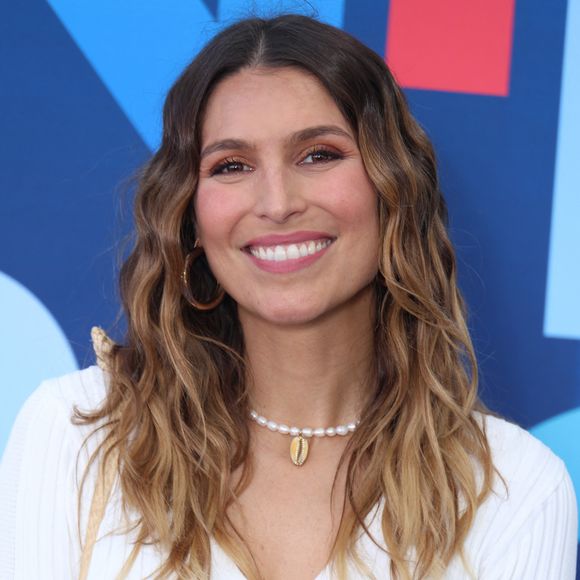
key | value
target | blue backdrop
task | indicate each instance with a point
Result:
(80, 99)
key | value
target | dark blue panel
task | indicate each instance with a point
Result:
(68, 148)
(212, 6)
(367, 21)
(497, 164)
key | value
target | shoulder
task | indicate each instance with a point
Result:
(44, 426)
(520, 458)
(85, 389)
(530, 482)
(39, 474)
(50, 408)
(532, 506)
(524, 465)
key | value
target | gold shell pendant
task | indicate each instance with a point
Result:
(299, 450)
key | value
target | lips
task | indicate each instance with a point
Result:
(281, 253)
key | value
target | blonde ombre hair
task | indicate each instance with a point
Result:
(177, 405)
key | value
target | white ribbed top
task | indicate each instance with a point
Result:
(529, 534)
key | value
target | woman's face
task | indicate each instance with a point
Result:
(285, 210)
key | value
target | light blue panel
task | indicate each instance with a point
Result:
(329, 11)
(562, 435)
(32, 348)
(139, 48)
(562, 314)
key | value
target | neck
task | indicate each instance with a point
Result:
(317, 374)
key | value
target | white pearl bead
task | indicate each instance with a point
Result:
(306, 431)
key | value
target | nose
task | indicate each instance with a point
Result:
(278, 195)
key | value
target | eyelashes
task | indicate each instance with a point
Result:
(227, 166)
(321, 155)
(314, 156)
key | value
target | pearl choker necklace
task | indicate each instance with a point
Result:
(299, 445)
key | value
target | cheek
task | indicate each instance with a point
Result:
(216, 214)
(357, 206)
(356, 202)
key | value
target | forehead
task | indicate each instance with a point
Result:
(268, 104)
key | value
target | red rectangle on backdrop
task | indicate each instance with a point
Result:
(451, 45)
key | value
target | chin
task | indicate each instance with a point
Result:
(289, 313)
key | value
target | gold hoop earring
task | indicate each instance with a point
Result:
(189, 260)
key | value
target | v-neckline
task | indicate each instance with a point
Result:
(223, 567)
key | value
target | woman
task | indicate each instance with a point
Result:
(296, 395)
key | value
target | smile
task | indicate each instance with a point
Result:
(282, 253)
(284, 256)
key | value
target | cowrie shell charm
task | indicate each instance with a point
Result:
(299, 450)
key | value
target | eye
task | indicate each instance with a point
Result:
(320, 155)
(229, 166)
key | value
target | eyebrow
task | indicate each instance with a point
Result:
(294, 139)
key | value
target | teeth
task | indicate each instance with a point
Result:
(293, 252)
(289, 252)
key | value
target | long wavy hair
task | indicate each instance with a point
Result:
(177, 404)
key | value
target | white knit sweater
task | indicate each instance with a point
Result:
(530, 533)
